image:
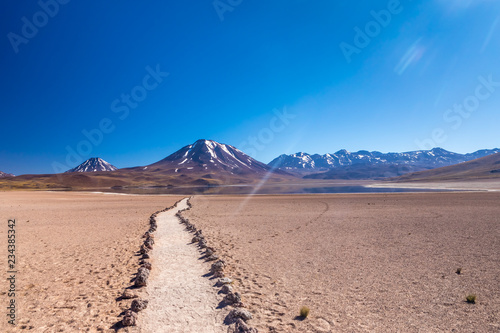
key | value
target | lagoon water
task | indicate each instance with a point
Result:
(264, 189)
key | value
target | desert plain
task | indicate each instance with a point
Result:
(373, 262)
(75, 254)
(361, 262)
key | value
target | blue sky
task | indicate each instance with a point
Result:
(269, 77)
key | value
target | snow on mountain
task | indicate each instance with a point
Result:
(210, 155)
(424, 159)
(486, 167)
(94, 164)
(5, 175)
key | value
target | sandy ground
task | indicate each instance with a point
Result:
(180, 298)
(75, 255)
(361, 263)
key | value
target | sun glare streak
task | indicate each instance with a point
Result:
(412, 55)
(457, 4)
(254, 191)
(490, 34)
(259, 184)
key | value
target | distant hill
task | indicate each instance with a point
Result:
(373, 161)
(481, 168)
(207, 162)
(94, 164)
(5, 175)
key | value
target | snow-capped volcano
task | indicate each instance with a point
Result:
(5, 175)
(94, 164)
(210, 155)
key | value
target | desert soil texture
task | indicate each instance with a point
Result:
(361, 262)
(76, 252)
(401, 262)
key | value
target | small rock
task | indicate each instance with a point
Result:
(213, 257)
(216, 268)
(233, 316)
(242, 327)
(219, 274)
(138, 305)
(149, 242)
(144, 249)
(147, 265)
(143, 270)
(232, 298)
(219, 265)
(128, 294)
(141, 279)
(226, 289)
(130, 318)
(223, 281)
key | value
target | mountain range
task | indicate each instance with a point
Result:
(371, 165)
(207, 162)
(487, 167)
(420, 159)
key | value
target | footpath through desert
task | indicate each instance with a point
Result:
(180, 298)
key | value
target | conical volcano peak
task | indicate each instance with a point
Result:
(94, 164)
(209, 155)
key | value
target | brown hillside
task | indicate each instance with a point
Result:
(481, 168)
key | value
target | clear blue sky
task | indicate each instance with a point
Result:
(229, 67)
